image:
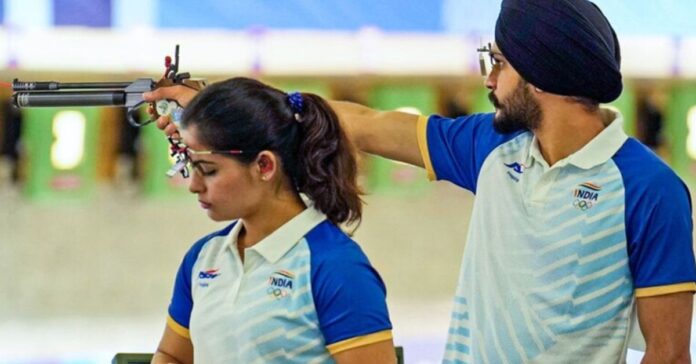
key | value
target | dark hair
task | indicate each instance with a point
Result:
(316, 155)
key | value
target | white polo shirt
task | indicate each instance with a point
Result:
(555, 255)
(301, 294)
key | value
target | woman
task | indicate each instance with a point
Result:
(282, 283)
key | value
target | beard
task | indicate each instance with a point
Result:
(517, 112)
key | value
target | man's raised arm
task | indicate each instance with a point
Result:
(390, 134)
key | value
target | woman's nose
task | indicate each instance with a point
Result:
(195, 183)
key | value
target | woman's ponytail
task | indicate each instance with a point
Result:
(327, 169)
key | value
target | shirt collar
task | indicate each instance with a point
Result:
(599, 150)
(279, 242)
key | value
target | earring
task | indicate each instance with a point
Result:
(264, 177)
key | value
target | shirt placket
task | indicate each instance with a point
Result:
(238, 267)
(542, 179)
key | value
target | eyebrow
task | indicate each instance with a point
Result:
(199, 162)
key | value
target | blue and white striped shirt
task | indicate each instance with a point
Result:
(303, 293)
(557, 254)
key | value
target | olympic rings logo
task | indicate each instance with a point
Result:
(277, 292)
(582, 204)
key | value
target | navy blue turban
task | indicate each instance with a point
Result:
(566, 47)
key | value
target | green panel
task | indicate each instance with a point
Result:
(682, 99)
(315, 87)
(155, 164)
(46, 181)
(392, 177)
(626, 103)
(480, 102)
(390, 97)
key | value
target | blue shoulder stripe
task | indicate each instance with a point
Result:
(349, 295)
(459, 147)
(658, 219)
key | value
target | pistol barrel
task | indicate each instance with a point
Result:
(74, 98)
(55, 86)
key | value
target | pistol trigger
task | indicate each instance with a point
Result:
(133, 117)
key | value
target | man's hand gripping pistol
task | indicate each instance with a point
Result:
(123, 94)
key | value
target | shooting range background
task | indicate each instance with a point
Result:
(92, 232)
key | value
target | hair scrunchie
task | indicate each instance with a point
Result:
(296, 102)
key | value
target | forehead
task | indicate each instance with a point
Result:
(189, 136)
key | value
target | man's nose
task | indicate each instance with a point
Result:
(492, 80)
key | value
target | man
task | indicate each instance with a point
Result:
(575, 226)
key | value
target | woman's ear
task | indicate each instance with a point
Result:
(267, 165)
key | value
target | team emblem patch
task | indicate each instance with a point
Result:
(205, 276)
(280, 284)
(586, 195)
(518, 168)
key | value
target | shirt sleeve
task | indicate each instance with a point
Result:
(455, 149)
(350, 298)
(659, 232)
(182, 300)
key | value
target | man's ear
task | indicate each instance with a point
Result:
(267, 165)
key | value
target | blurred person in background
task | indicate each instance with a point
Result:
(577, 229)
(649, 122)
(10, 141)
(282, 283)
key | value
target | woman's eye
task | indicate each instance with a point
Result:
(206, 172)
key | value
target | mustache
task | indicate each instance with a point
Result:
(494, 100)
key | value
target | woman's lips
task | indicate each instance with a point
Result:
(204, 205)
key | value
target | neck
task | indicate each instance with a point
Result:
(268, 218)
(565, 128)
